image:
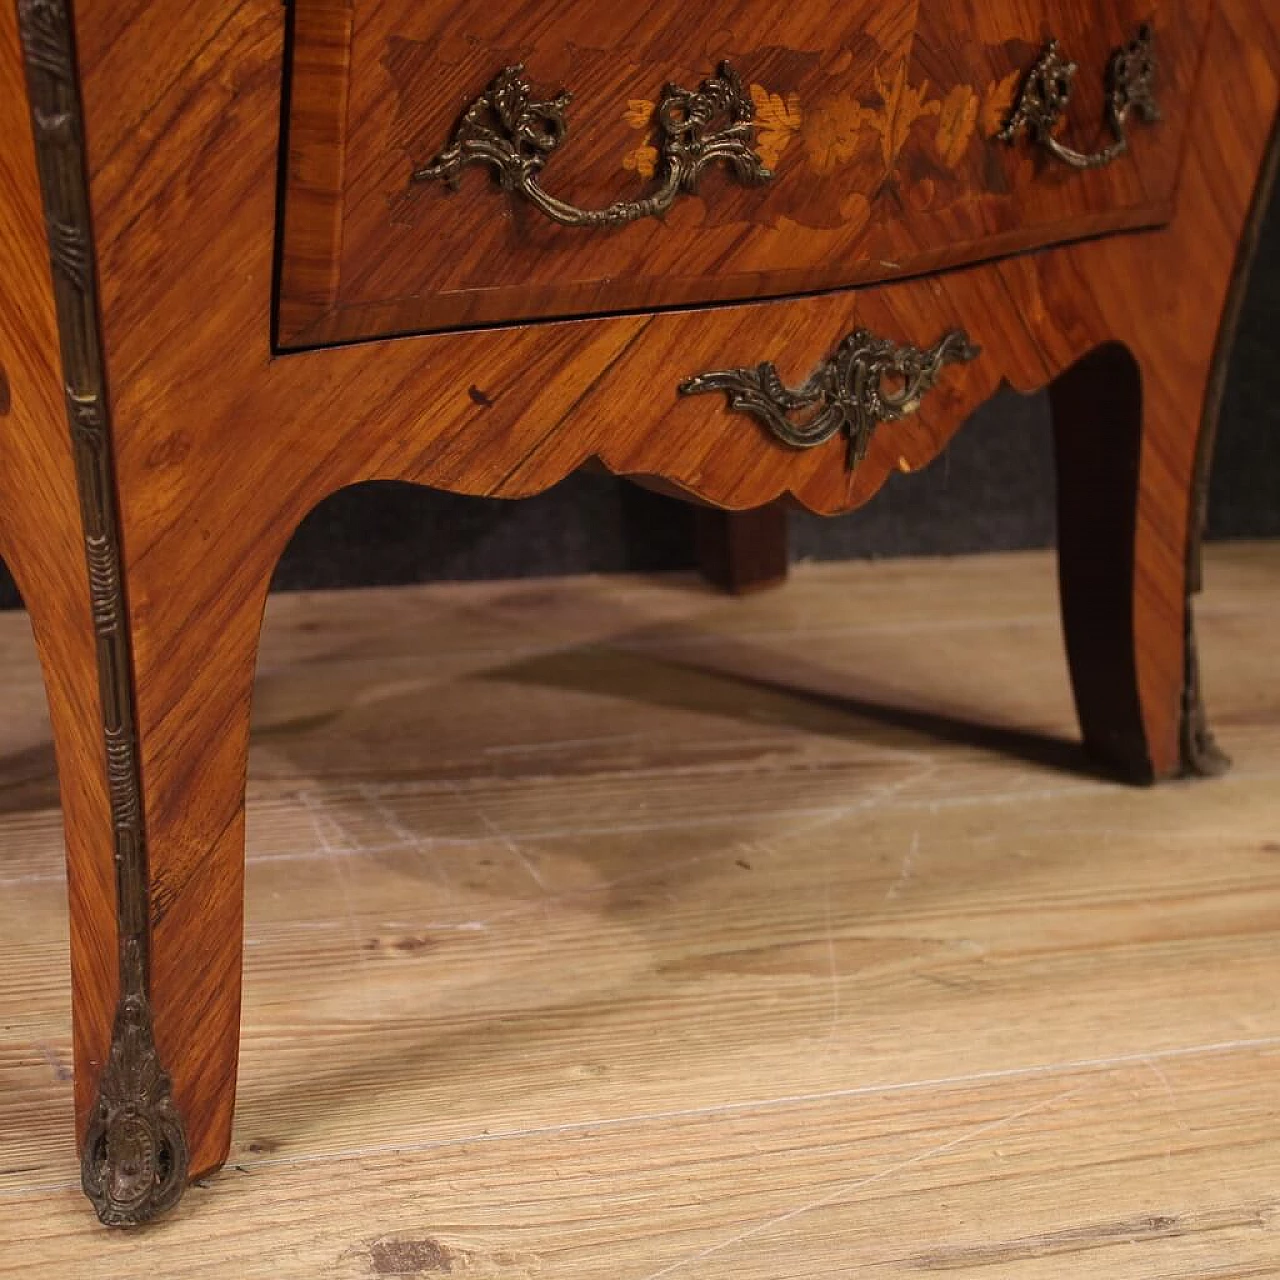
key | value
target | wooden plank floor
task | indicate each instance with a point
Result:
(610, 928)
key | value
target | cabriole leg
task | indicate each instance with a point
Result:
(1127, 470)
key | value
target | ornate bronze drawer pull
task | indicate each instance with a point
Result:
(506, 128)
(869, 380)
(1046, 94)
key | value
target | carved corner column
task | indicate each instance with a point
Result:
(134, 1158)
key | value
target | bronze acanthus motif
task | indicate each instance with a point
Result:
(868, 381)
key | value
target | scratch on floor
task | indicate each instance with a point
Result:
(373, 797)
(1094, 1235)
(1158, 1071)
(509, 843)
(562, 744)
(322, 823)
(412, 840)
(341, 873)
(777, 1220)
(831, 957)
(820, 812)
(908, 868)
(747, 1105)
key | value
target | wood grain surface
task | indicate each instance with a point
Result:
(608, 928)
(878, 119)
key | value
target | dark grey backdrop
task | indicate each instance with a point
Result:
(991, 490)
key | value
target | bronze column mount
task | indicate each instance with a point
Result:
(134, 1161)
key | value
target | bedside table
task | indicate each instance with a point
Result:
(253, 254)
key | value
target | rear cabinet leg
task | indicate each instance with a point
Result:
(1097, 421)
(742, 551)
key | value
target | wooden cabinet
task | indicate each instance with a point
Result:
(212, 240)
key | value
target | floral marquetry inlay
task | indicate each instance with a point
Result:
(777, 119)
(642, 159)
(834, 132)
(956, 122)
(903, 105)
(998, 103)
(842, 128)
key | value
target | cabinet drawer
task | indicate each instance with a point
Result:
(846, 143)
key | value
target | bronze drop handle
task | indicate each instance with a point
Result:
(507, 128)
(869, 380)
(1046, 94)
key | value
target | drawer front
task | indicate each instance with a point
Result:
(843, 143)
